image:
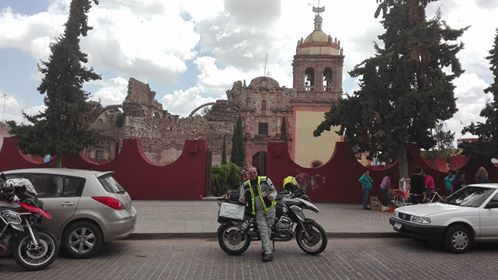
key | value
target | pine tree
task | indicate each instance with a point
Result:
(224, 152)
(283, 130)
(63, 128)
(487, 146)
(405, 89)
(237, 155)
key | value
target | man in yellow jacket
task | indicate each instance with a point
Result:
(260, 194)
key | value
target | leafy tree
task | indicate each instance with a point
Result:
(487, 146)
(224, 177)
(224, 152)
(405, 89)
(283, 130)
(237, 155)
(444, 143)
(64, 126)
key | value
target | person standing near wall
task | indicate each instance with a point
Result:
(459, 181)
(481, 175)
(385, 189)
(448, 182)
(430, 186)
(366, 185)
(417, 190)
(260, 194)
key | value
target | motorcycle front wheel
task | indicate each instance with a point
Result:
(232, 240)
(315, 242)
(33, 257)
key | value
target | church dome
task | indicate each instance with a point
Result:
(318, 42)
(317, 36)
(264, 83)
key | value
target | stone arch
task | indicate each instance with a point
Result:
(105, 109)
(309, 78)
(200, 107)
(327, 79)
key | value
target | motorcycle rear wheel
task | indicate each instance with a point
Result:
(232, 240)
(317, 240)
(31, 257)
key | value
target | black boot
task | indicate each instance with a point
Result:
(267, 257)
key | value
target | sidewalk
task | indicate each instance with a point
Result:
(198, 219)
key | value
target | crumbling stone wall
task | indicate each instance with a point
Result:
(163, 134)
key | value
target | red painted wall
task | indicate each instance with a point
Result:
(337, 180)
(183, 179)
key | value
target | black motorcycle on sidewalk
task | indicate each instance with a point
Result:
(238, 228)
(20, 214)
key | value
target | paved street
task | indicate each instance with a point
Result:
(166, 219)
(354, 258)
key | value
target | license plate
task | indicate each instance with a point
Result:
(397, 226)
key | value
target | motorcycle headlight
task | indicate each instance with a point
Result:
(420, 220)
(11, 217)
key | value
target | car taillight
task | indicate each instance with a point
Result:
(110, 201)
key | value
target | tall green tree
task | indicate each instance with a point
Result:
(405, 89)
(487, 131)
(224, 152)
(63, 128)
(237, 156)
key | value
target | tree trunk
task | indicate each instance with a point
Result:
(403, 162)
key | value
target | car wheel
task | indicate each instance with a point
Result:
(82, 240)
(457, 239)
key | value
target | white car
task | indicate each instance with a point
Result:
(467, 215)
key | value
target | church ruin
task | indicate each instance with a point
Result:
(263, 106)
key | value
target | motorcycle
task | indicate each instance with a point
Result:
(20, 216)
(238, 228)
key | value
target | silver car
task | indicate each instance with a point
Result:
(88, 207)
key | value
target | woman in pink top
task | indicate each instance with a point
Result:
(429, 185)
(385, 190)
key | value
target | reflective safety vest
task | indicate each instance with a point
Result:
(264, 201)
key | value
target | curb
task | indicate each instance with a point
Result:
(212, 235)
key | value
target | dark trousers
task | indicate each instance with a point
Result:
(366, 194)
(385, 196)
(416, 198)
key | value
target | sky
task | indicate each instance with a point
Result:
(190, 52)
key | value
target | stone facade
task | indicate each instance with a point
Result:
(263, 105)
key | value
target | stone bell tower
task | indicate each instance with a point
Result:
(318, 63)
(317, 81)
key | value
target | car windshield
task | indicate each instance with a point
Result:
(110, 184)
(470, 196)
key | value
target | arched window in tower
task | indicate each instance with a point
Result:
(327, 79)
(263, 105)
(309, 79)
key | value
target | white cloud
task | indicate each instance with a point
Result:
(227, 40)
(111, 92)
(470, 101)
(183, 102)
(12, 109)
(29, 33)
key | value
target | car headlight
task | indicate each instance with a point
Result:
(396, 214)
(420, 220)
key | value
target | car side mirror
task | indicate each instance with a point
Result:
(491, 205)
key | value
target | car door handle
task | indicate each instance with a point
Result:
(67, 204)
